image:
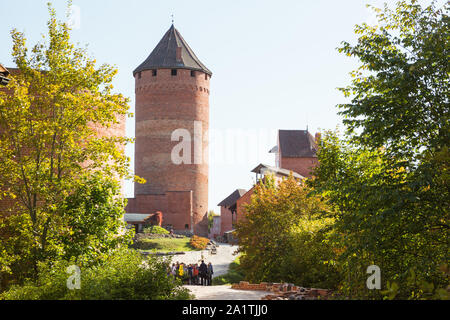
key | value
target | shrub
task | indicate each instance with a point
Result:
(284, 238)
(125, 274)
(199, 242)
(163, 244)
(155, 230)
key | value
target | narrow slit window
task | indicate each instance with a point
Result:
(154, 73)
(174, 72)
(192, 73)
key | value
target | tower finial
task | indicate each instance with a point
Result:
(172, 17)
(307, 122)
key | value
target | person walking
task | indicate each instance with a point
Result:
(202, 271)
(210, 273)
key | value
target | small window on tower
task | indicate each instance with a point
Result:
(174, 72)
(139, 75)
(154, 73)
(192, 73)
(206, 76)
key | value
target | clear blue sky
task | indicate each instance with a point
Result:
(274, 63)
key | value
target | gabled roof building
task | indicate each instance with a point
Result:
(296, 151)
(228, 210)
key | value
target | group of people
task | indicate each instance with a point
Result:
(192, 274)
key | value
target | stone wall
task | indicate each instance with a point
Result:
(176, 207)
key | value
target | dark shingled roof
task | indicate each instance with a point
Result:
(232, 198)
(165, 55)
(296, 143)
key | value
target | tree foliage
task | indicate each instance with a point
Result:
(387, 180)
(379, 219)
(283, 237)
(123, 275)
(380, 195)
(57, 172)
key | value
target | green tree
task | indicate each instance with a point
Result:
(123, 275)
(284, 238)
(389, 181)
(400, 91)
(50, 152)
(378, 220)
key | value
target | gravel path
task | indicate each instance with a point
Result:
(220, 260)
(224, 292)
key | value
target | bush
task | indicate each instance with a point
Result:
(284, 238)
(155, 230)
(199, 242)
(123, 275)
(164, 244)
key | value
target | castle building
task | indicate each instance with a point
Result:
(172, 96)
(295, 153)
(228, 210)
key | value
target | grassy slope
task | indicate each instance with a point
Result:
(166, 245)
(234, 275)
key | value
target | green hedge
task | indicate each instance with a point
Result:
(125, 274)
(155, 230)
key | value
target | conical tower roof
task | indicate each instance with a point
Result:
(165, 55)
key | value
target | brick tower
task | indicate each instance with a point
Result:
(172, 92)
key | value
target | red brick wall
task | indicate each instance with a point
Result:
(175, 206)
(246, 198)
(302, 166)
(165, 103)
(225, 220)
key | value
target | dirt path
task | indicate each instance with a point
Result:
(220, 261)
(224, 292)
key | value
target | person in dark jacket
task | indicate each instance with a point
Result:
(202, 273)
(191, 275)
(210, 273)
